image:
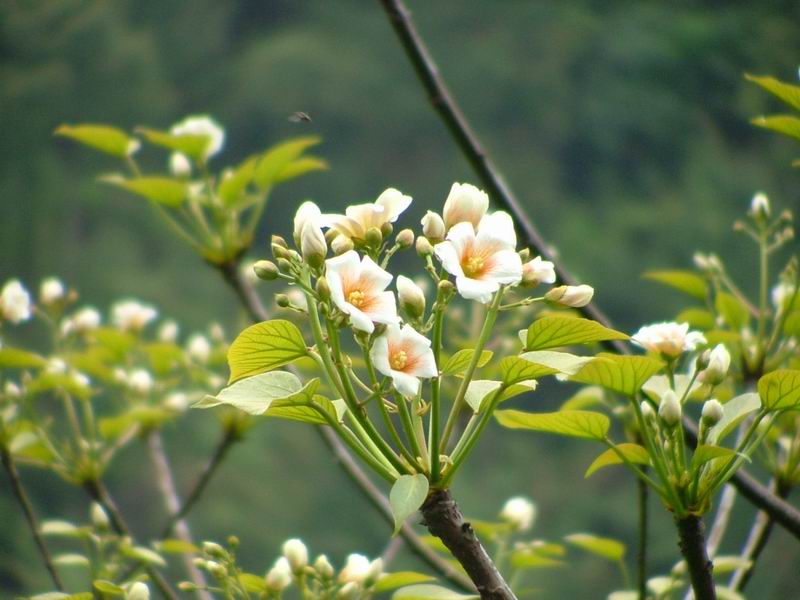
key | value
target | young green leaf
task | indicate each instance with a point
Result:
(515, 369)
(233, 185)
(632, 452)
(265, 346)
(480, 390)
(193, 145)
(458, 363)
(785, 124)
(279, 157)
(780, 390)
(108, 587)
(734, 412)
(158, 189)
(101, 137)
(684, 281)
(703, 454)
(301, 166)
(14, 358)
(556, 331)
(623, 374)
(697, 318)
(407, 495)
(599, 546)
(529, 558)
(572, 423)
(426, 591)
(732, 310)
(255, 395)
(563, 362)
(398, 579)
(790, 94)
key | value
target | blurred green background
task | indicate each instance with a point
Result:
(622, 126)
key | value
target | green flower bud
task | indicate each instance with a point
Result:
(446, 287)
(216, 569)
(277, 240)
(670, 409)
(187, 586)
(386, 230)
(279, 251)
(712, 413)
(410, 296)
(341, 244)
(374, 237)
(214, 549)
(525, 255)
(99, 517)
(323, 289)
(433, 226)
(574, 296)
(138, 591)
(284, 265)
(282, 300)
(323, 567)
(313, 245)
(424, 247)
(266, 270)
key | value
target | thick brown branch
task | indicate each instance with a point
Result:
(443, 519)
(691, 532)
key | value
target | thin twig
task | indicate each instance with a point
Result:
(254, 307)
(641, 556)
(166, 483)
(30, 516)
(452, 116)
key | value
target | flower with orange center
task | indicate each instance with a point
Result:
(358, 219)
(482, 261)
(357, 289)
(404, 355)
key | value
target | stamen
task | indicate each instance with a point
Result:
(356, 298)
(399, 360)
(473, 266)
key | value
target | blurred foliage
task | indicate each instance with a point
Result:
(622, 126)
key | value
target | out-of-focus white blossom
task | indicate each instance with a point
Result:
(465, 203)
(15, 302)
(519, 512)
(358, 569)
(669, 338)
(12, 390)
(759, 206)
(323, 566)
(138, 591)
(51, 291)
(56, 366)
(538, 271)
(168, 332)
(360, 218)
(180, 165)
(205, 126)
(719, 362)
(313, 246)
(670, 408)
(404, 355)
(130, 315)
(86, 319)
(279, 577)
(217, 332)
(140, 381)
(198, 348)
(712, 412)
(296, 553)
(781, 294)
(177, 402)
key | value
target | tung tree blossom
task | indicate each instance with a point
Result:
(465, 202)
(358, 219)
(669, 338)
(404, 355)
(202, 125)
(15, 302)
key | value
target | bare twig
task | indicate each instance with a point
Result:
(641, 550)
(693, 548)
(452, 116)
(30, 516)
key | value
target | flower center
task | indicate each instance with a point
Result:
(356, 298)
(399, 360)
(472, 266)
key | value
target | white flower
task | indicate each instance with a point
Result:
(81, 379)
(138, 591)
(357, 289)
(56, 366)
(411, 297)
(198, 348)
(140, 381)
(12, 390)
(86, 319)
(668, 338)
(432, 226)
(15, 302)
(538, 271)
(520, 512)
(307, 212)
(130, 315)
(205, 126)
(296, 553)
(279, 577)
(781, 293)
(573, 296)
(177, 401)
(712, 412)
(168, 332)
(404, 355)
(484, 261)
(358, 569)
(465, 202)
(217, 332)
(718, 364)
(51, 290)
(179, 165)
(759, 205)
(362, 217)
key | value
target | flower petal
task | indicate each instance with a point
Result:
(360, 320)
(379, 353)
(497, 229)
(339, 269)
(394, 203)
(504, 267)
(406, 384)
(383, 309)
(451, 261)
(372, 277)
(474, 289)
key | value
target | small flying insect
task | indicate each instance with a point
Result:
(300, 117)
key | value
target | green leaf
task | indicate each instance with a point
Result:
(780, 390)
(732, 310)
(531, 559)
(235, 182)
(426, 591)
(571, 423)
(586, 397)
(14, 358)
(163, 356)
(785, 124)
(255, 395)
(279, 157)
(729, 563)
(301, 166)
(623, 374)
(515, 369)
(157, 189)
(60, 529)
(703, 454)
(71, 560)
(265, 346)
(556, 331)
(697, 318)
(563, 362)
(174, 546)
(479, 391)
(307, 413)
(458, 363)
(599, 546)
(101, 137)
(108, 587)
(144, 555)
(633, 453)
(63, 596)
(393, 581)
(790, 94)
(684, 281)
(253, 583)
(193, 145)
(407, 495)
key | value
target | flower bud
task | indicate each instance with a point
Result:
(323, 290)
(216, 569)
(538, 271)
(446, 287)
(712, 413)
(433, 226)
(424, 247)
(86, 319)
(355, 569)
(99, 517)
(266, 270)
(168, 332)
(279, 577)
(573, 296)
(519, 512)
(187, 586)
(282, 300)
(138, 591)
(179, 165)
(759, 207)
(279, 252)
(214, 549)
(374, 572)
(313, 245)
(670, 409)
(51, 291)
(296, 553)
(348, 591)
(323, 567)
(15, 302)
(411, 297)
(198, 348)
(405, 239)
(719, 360)
(373, 237)
(648, 414)
(140, 381)
(341, 244)
(307, 212)
(386, 229)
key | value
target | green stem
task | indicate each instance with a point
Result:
(436, 386)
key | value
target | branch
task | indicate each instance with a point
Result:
(452, 116)
(443, 519)
(693, 547)
(641, 557)
(30, 516)
(252, 303)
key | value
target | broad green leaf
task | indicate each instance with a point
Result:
(279, 157)
(586, 397)
(734, 412)
(703, 454)
(174, 546)
(426, 591)
(732, 310)
(785, 124)
(556, 331)
(684, 281)
(235, 182)
(572, 423)
(398, 579)
(563, 362)
(301, 166)
(480, 391)
(599, 546)
(193, 145)
(515, 369)
(14, 358)
(623, 374)
(697, 318)
(308, 413)
(157, 189)
(657, 386)
(407, 495)
(633, 453)
(780, 390)
(458, 363)
(253, 583)
(101, 137)
(790, 94)
(255, 395)
(108, 587)
(47, 382)
(530, 559)
(265, 346)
